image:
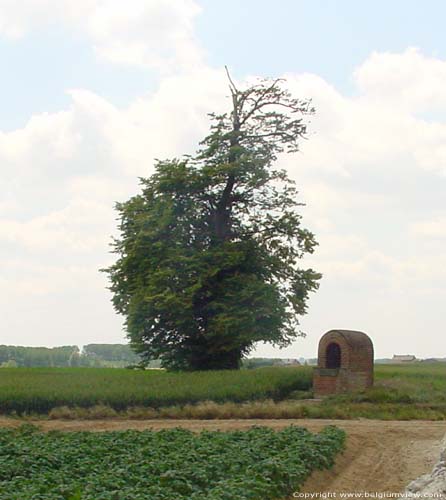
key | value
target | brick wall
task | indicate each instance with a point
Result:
(343, 381)
(356, 370)
(324, 384)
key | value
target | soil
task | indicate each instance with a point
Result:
(380, 456)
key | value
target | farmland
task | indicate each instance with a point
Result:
(39, 390)
(221, 459)
(401, 392)
(259, 463)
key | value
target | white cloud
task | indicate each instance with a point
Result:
(434, 228)
(17, 19)
(390, 123)
(156, 34)
(79, 227)
(94, 138)
(408, 80)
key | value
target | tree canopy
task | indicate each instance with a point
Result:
(208, 252)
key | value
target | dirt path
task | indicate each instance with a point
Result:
(380, 456)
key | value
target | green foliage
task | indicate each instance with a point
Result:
(39, 390)
(39, 356)
(208, 252)
(98, 355)
(257, 464)
(111, 354)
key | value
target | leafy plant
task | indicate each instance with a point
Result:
(172, 464)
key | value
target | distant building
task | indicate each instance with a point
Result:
(403, 358)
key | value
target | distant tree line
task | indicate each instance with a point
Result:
(92, 355)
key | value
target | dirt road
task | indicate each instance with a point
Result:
(380, 456)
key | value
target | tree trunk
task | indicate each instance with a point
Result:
(223, 210)
(223, 360)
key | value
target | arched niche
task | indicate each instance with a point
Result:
(333, 355)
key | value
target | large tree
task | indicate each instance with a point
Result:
(208, 252)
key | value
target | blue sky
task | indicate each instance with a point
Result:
(42, 66)
(253, 37)
(329, 38)
(94, 90)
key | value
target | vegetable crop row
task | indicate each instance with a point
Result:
(171, 464)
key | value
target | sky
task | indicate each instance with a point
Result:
(92, 91)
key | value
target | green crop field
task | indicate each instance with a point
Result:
(401, 392)
(39, 390)
(258, 464)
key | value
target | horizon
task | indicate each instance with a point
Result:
(297, 357)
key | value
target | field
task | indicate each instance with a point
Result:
(212, 459)
(401, 392)
(259, 463)
(38, 390)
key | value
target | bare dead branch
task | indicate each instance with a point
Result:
(231, 83)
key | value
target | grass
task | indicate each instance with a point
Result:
(257, 464)
(39, 390)
(401, 392)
